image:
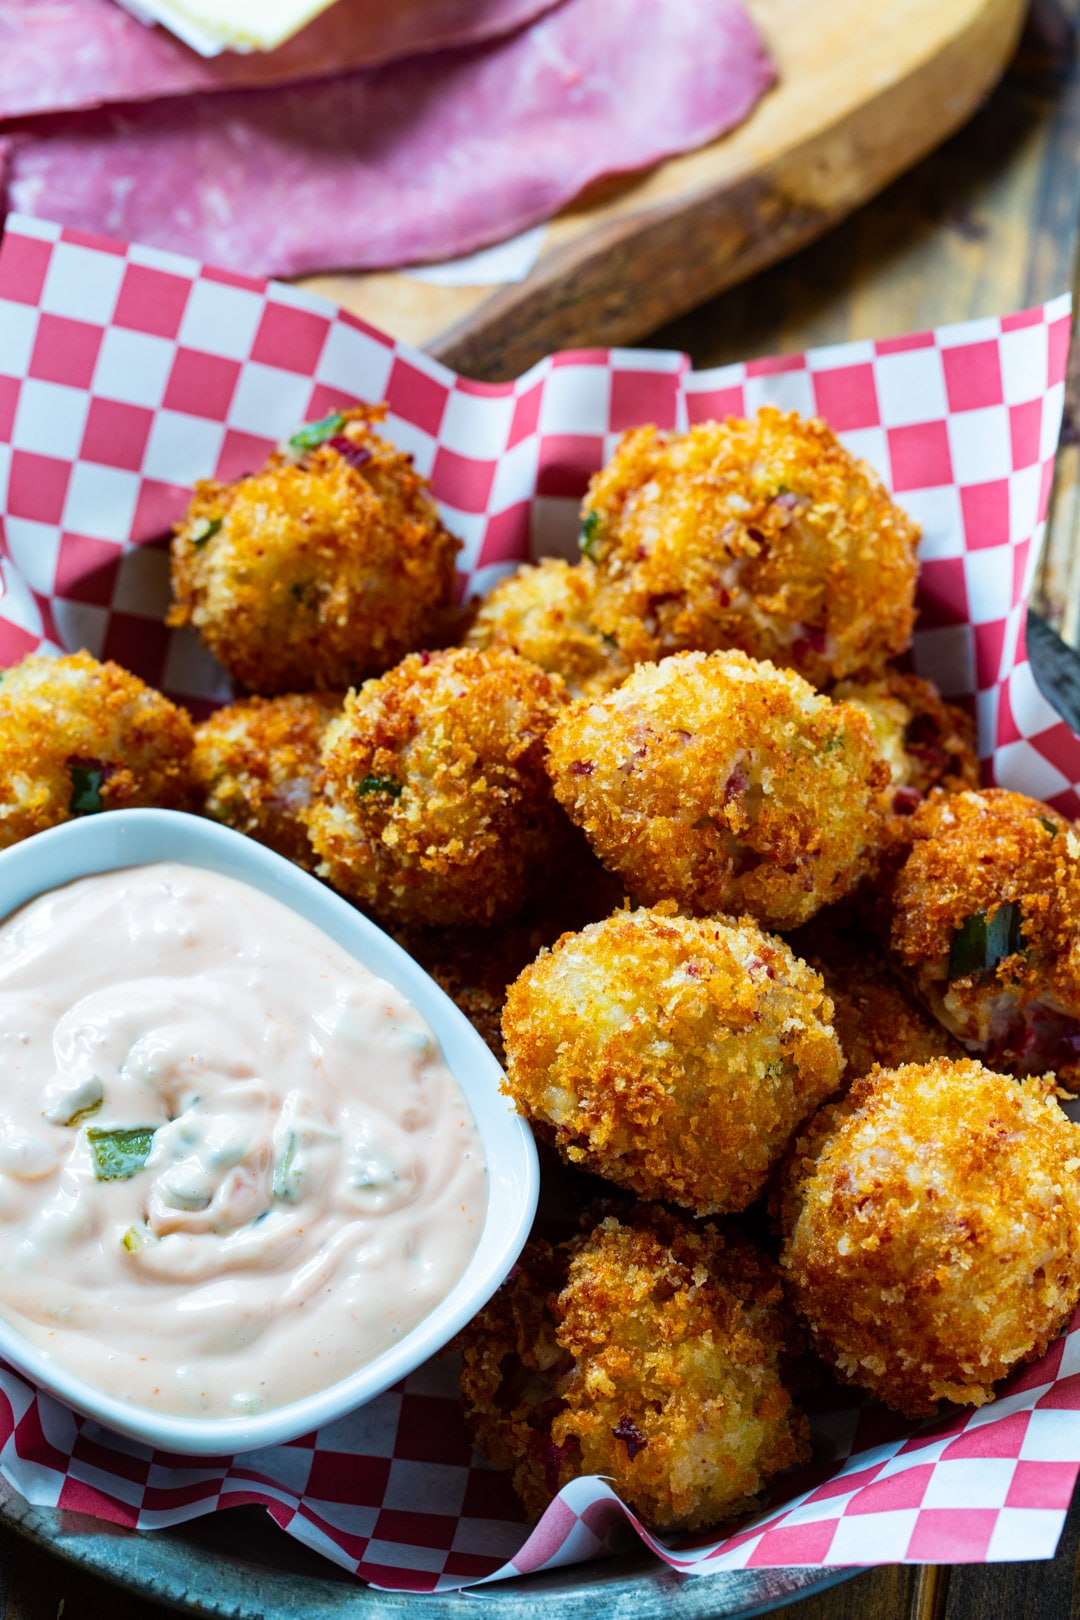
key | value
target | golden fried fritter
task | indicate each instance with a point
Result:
(764, 535)
(673, 1055)
(933, 1230)
(328, 565)
(986, 920)
(255, 762)
(432, 807)
(926, 741)
(649, 1351)
(724, 784)
(875, 1018)
(542, 612)
(78, 736)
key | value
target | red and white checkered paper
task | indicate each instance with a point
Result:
(127, 373)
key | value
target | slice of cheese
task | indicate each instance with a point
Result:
(211, 26)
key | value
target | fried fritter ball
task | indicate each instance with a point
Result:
(933, 1230)
(432, 807)
(926, 741)
(255, 762)
(542, 612)
(649, 1351)
(986, 920)
(78, 736)
(724, 784)
(765, 535)
(327, 566)
(673, 1055)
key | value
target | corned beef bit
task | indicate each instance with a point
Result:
(357, 455)
(906, 800)
(628, 1432)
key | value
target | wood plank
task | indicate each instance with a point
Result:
(865, 90)
(876, 1594)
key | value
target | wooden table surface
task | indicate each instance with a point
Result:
(987, 225)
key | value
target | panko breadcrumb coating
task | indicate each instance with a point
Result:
(926, 741)
(542, 612)
(650, 1352)
(933, 1230)
(432, 807)
(255, 762)
(724, 784)
(78, 736)
(986, 920)
(328, 565)
(673, 1055)
(765, 535)
(876, 1019)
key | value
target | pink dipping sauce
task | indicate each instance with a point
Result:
(295, 1178)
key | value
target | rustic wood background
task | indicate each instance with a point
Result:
(986, 225)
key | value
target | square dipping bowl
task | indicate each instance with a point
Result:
(123, 838)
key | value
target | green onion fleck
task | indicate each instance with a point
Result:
(832, 743)
(120, 1153)
(136, 1238)
(312, 434)
(981, 942)
(204, 530)
(589, 538)
(378, 784)
(287, 1173)
(1049, 825)
(85, 1113)
(610, 640)
(86, 782)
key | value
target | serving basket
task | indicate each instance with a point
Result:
(125, 375)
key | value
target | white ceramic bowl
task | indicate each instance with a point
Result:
(105, 843)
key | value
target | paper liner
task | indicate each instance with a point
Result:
(127, 373)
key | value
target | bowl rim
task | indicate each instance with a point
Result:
(119, 839)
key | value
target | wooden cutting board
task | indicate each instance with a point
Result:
(866, 88)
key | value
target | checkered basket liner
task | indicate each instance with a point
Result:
(127, 373)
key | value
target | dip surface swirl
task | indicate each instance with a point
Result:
(234, 1167)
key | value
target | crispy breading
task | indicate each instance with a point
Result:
(932, 1224)
(255, 762)
(926, 741)
(432, 807)
(673, 1055)
(327, 566)
(765, 535)
(876, 1018)
(725, 784)
(986, 920)
(542, 612)
(77, 736)
(649, 1351)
